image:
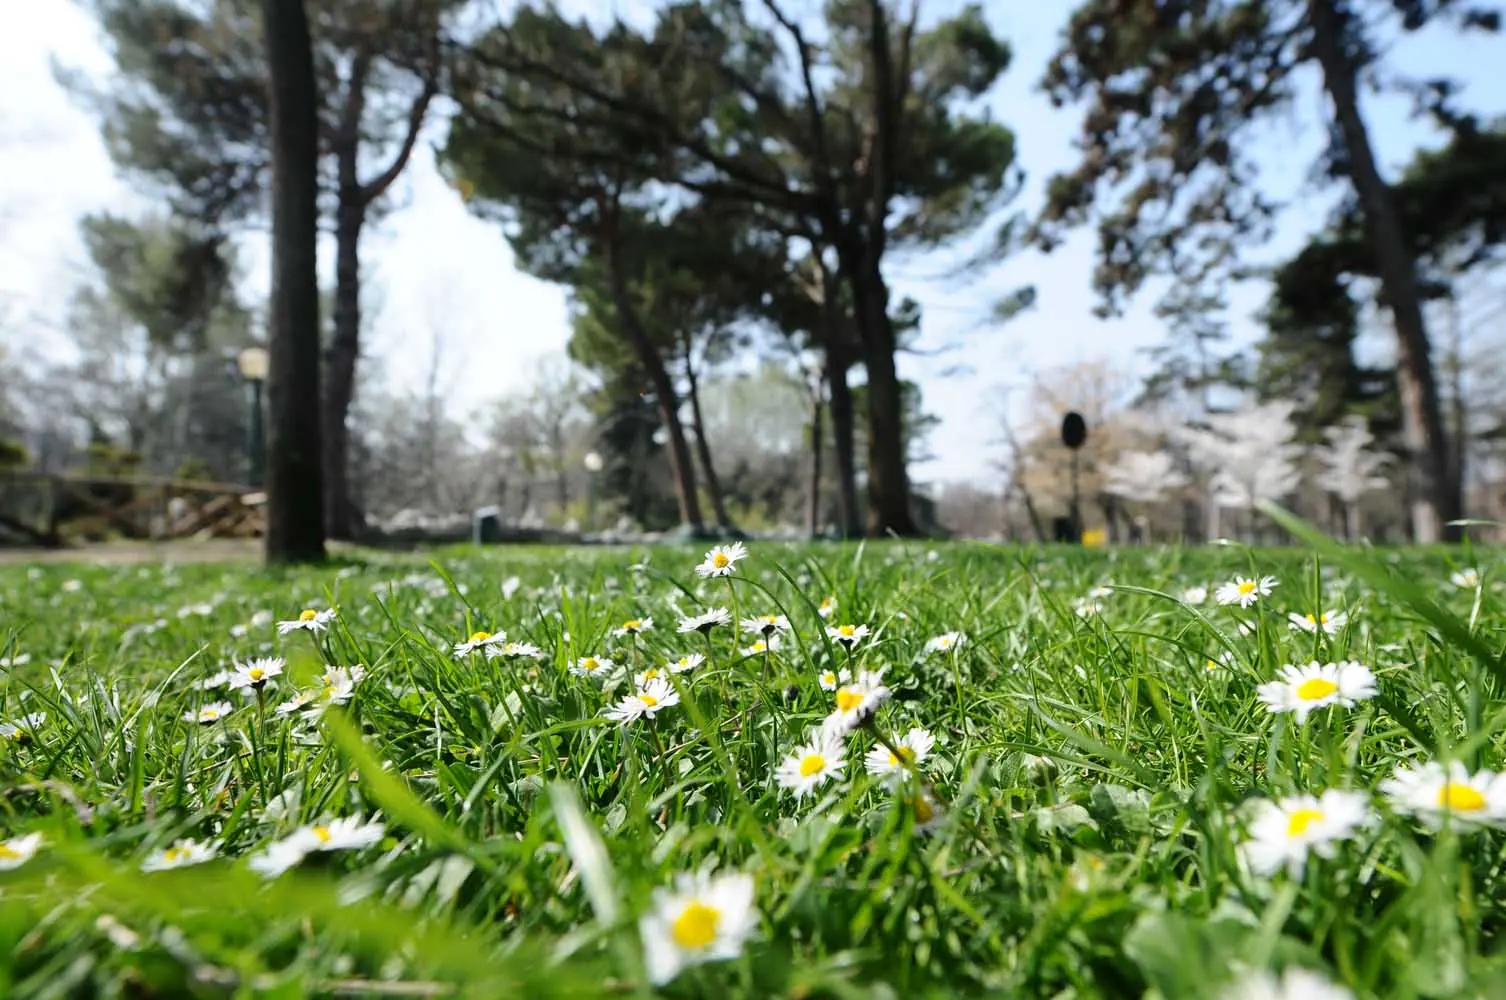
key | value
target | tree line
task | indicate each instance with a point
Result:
(732, 177)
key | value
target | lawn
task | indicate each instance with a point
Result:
(1032, 773)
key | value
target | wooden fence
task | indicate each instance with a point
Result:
(54, 509)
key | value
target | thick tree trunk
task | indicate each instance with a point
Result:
(295, 491)
(1438, 500)
(664, 389)
(818, 423)
(703, 450)
(340, 367)
(888, 481)
(843, 435)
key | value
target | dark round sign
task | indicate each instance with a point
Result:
(1074, 430)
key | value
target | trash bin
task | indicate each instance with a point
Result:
(486, 525)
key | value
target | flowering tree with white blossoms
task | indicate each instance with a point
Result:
(1351, 468)
(1249, 456)
(1142, 477)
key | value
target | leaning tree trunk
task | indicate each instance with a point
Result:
(294, 476)
(888, 481)
(669, 401)
(1438, 499)
(340, 369)
(703, 449)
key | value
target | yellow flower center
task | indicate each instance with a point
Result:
(210, 714)
(1323, 618)
(696, 925)
(632, 625)
(589, 664)
(174, 854)
(1298, 822)
(760, 646)
(812, 764)
(944, 642)
(846, 631)
(720, 560)
(1316, 688)
(924, 811)
(256, 673)
(1459, 797)
(828, 678)
(307, 615)
(651, 673)
(9, 853)
(321, 834)
(648, 700)
(848, 699)
(1313, 621)
(1212, 664)
(480, 636)
(827, 604)
(905, 754)
(1247, 586)
(684, 661)
(770, 619)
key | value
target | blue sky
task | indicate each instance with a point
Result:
(440, 269)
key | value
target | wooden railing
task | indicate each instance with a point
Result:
(52, 509)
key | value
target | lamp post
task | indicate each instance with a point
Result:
(252, 363)
(594, 464)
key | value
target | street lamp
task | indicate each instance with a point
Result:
(252, 363)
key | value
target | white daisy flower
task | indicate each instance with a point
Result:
(645, 702)
(827, 607)
(761, 646)
(706, 621)
(765, 625)
(1245, 591)
(1301, 690)
(819, 760)
(1283, 832)
(1085, 607)
(913, 747)
(515, 649)
(1294, 984)
(705, 918)
(1195, 595)
(857, 701)
(633, 626)
(180, 855)
(1099, 593)
(278, 857)
(348, 833)
(211, 713)
(308, 619)
(593, 666)
(830, 680)
(24, 727)
(16, 851)
(215, 680)
(687, 662)
(1437, 793)
(344, 677)
(945, 642)
(848, 635)
(480, 640)
(1466, 579)
(297, 703)
(721, 560)
(254, 674)
(19, 660)
(1331, 622)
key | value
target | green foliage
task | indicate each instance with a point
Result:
(13, 455)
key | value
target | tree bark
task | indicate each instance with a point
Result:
(669, 402)
(703, 448)
(818, 423)
(843, 436)
(888, 480)
(295, 489)
(1438, 498)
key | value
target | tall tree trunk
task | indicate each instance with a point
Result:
(1438, 499)
(888, 481)
(664, 389)
(843, 435)
(703, 448)
(295, 489)
(340, 364)
(818, 422)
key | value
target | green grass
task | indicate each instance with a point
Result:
(526, 833)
